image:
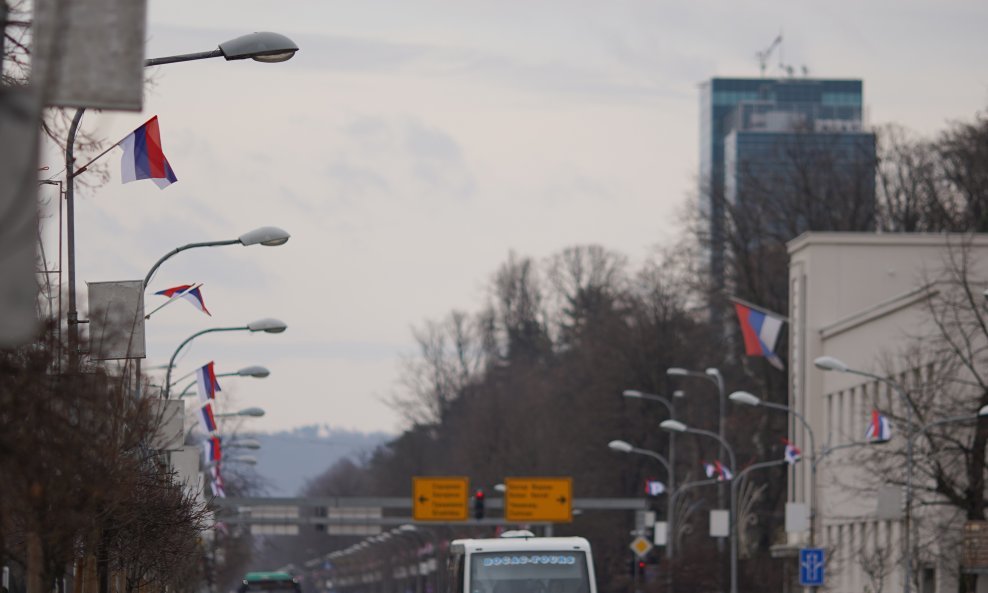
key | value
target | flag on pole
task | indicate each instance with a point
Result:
(206, 382)
(879, 430)
(189, 292)
(721, 471)
(760, 330)
(206, 418)
(792, 454)
(143, 157)
(654, 487)
(218, 490)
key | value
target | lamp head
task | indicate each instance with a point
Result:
(252, 444)
(500, 488)
(743, 397)
(829, 363)
(672, 426)
(253, 412)
(631, 393)
(713, 372)
(262, 47)
(677, 372)
(269, 236)
(255, 371)
(983, 411)
(620, 446)
(407, 527)
(269, 325)
(679, 393)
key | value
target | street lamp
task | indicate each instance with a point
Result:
(267, 325)
(748, 399)
(268, 236)
(829, 363)
(262, 47)
(257, 372)
(252, 444)
(252, 412)
(677, 426)
(670, 405)
(625, 447)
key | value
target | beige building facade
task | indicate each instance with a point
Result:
(864, 298)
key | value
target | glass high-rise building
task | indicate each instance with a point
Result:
(785, 143)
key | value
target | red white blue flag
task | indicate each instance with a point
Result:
(188, 292)
(218, 490)
(718, 470)
(654, 487)
(213, 450)
(792, 454)
(206, 418)
(760, 330)
(143, 157)
(879, 430)
(207, 383)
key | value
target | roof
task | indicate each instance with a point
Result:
(267, 576)
(522, 543)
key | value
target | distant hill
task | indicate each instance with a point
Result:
(287, 459)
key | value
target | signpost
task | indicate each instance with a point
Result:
(440, 499)
(811, 564)
(538, 499)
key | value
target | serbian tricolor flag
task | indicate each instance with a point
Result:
(213, 451)
(878, 430)
(761, 330)
(792, 454)
(207, 383)
(218, 490)
(188, 292)
(721, 471)
(654, 487)
(206, 418)
(143, 157)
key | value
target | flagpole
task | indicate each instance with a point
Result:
(175, 296)
(757, 308)
(97, 157)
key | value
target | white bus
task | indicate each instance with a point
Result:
(518, 562)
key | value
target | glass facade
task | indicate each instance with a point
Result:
(752, 125)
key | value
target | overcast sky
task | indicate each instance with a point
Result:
(411, 144)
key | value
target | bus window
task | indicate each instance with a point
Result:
(529, 572)
(269, 582)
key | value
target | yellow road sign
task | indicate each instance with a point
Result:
(640, 546)
(440, 499)
(538, 499)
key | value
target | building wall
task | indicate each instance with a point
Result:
(857, 297)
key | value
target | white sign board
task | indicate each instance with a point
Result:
(720, 522)
(891, 503)
(89, 53)
(797, 517)
(116, 320)
(660, 534)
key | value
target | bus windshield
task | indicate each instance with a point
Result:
(529, 572)
(269, 582)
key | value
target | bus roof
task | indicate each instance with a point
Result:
(520, 543)
(251, 577)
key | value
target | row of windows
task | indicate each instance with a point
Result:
(841, 99)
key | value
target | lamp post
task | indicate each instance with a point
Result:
(713, 375)
(261, 47)
(743, 397)
(271, 326)
(829, 363)
(257, 372)
(670, 405)
(252, 444)
(677, 426)
(269, 236)
(252, 412)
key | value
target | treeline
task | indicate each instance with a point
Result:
(85, 502)
(531, 382)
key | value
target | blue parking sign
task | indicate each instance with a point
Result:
(811, 567)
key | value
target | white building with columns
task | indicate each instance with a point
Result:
(864, 299)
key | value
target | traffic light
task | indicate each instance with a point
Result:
(478, 504)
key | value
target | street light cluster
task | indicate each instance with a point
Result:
(674, 427)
